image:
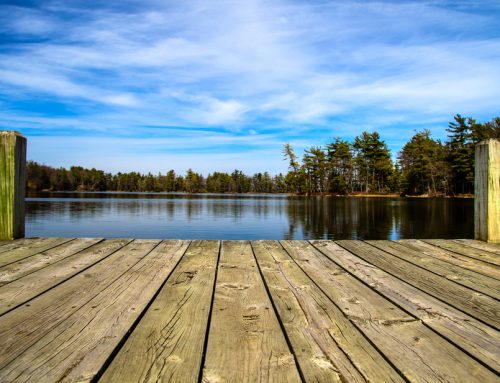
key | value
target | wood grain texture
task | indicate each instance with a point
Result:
(487, 191)
(474, 337)
(464, 277)
(245, 342)
(489, 247)
(16, 253)
(423, 356)
(416, 351)
(477, 305)
(428, 250)
(81, 344)
(357, 301)
(12, 184)
(24, 326)
(16, 242)
(167, 344)
(145, 310)
(327, 346)
(16, 270)
(471, 252)
(22, 290)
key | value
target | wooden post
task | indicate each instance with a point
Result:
(12, 184)
(487, 191)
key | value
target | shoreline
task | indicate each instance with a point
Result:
(353, 195)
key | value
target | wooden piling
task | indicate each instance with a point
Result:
(487, 191)
(12, 184)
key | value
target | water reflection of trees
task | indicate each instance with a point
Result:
(376, 218)
(437, 218)
(283, 217)
(339, 218)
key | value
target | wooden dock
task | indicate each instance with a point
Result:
(124, 310)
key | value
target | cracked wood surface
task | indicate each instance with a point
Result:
(327, 345)
(452, 257)
(25, 266)
(83, 341)
(167, 345)
(489, 247)
(469, 251)
(244, 330)
(23, 289)
(418, 352)
(468, 278)
(466, 332)
(24, 326)
(477, 305)
(14, 252)
(250, 311)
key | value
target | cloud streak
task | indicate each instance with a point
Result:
(299, 71)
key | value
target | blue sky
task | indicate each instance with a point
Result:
(218, 85)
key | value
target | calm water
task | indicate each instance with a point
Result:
(203, 216)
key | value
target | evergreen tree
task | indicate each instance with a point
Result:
(239, 182)
(193, 182)
(423, 166)
(170, 185)
(460, 154)
(340, 163)
(315, 167)
(295, 179)
(489, 129)
(373, 162)
(279, 185)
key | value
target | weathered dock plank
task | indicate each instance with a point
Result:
(485, 246)
(167, 344)
(22, 290)
(244, 330)
(476, 338)
(418, 352)
(81, 344)
(327, 346)
(150, 310)
(477, 305)
(12, 252)
(465, 250)
(27, 324)
(16, 242)
(468, 263)
(464, 277)
(25, 266)
(357, 301)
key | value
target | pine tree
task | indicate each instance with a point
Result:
(295, 178)
(315, 167)
(340, 166)
(460, 154)
(373, 162)
(423, 165)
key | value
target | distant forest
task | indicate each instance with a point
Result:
(424, 166)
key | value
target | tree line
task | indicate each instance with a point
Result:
(365, 165)
(43, 177)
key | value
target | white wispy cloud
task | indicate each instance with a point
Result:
(308, 70)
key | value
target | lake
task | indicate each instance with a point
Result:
(258, 216)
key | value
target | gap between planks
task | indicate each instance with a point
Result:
(417, 351)
(267, 277)
(477, 339)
